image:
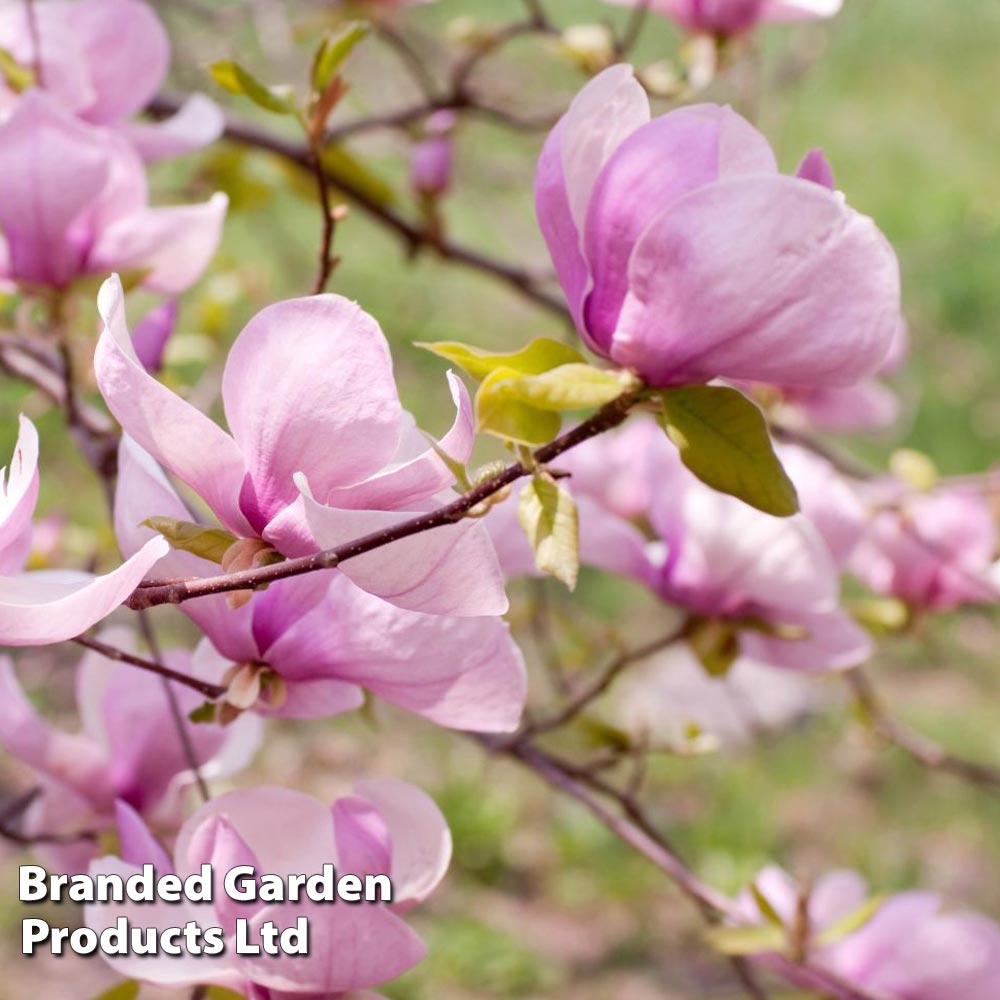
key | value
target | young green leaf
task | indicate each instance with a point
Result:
(344, 169)
(764, 905)
(715, 645)
(723, 440)
(854, 921)
(199, 540)
(574, 386)
(747, 940)
(233, 77)
(16, 75)
(128, 990)
(541, 355)
(510, 419)
(548, 515)
(334, 50)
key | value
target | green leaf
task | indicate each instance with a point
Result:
(233, 77)
(548, 516)
(203, 714)
(715, 645)
(334, 51)
(17, 76)
(541, 355)
(747, 940)
(127, 990)
(221, 993)
(574, 386)
(199, 540)
(349, 174)
(510, 419)
(852, 922)
(764, 905)
(723, 440)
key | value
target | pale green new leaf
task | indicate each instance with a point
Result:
(541, 355)
(349, 174)
(334, 52)
(127, 990)
(233, 77)
(574, 386)
(199, 540)
(16, 75)
(548, 516)
(723, 440)
(854, 921)
(498, 414)
(747, 940)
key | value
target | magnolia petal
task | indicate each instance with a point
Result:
(326, 352)
(175, 433)
(174, 245)
(461, 672)
(350, 947)
(137, 845)
(198, 123)
(37, 609)
(364, 845)
(834, 642)
(54, 167)
(609, 108)
(656, 165)
(411, 479)
(418, 833)
(726, 281)
(18, 496)
(126, 51)
(451, 570)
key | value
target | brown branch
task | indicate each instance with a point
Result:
(211, 691)
(922, 749)
(15, 809)
(637, 831)
(327, 262)
(153, 593)
(633, 29)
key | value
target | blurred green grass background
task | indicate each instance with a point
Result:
(904, 95)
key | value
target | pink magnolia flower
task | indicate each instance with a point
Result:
(911, 949)
(933, 550)
(662, 699)
(104, 61)
(686, 256)
(127, 750)
(43, 607)
(325, 639)
(770, 579)
(321, 451)
(76, 203)
(730, 17)
(385, 828)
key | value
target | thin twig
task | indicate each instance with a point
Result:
(922, 749)
(590, 692)
(176, 714)
(211, 691)
(633, 29)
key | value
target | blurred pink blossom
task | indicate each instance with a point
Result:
(686, 256)
(730, 17)
(772, 579)
(127, 750)
(935, 550)
(104, 61)
(432, 160)
(43, 607)
(76, 203)
(386, 827)
(910, 949)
